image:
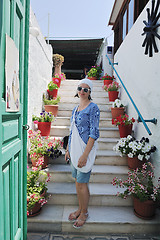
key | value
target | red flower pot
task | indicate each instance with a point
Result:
(116, 112)
(113, 95)
(45, 161)
(92, 78)
(125, 130)
(107, 81)
(134, 162)
(52, 108)
(45, 128)
(53, 93)
(57, 81)
(145, 210)
(35, 210)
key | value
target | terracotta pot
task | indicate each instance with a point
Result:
(116, 112)
(35, 210)
(113, 95)
(107, 82)
(53, 93)
(45, 163)
(45, 128)
(134, 162)
(57, 81)
(92, 78)
(145, 210)
(126, 130)
(52, 108)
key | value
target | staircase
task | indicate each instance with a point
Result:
(108, 213)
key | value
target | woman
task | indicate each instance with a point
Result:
(81, 148)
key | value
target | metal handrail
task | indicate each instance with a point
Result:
(141, 119)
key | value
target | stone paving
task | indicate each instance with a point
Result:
(49, 236)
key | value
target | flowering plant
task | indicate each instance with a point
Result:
(62, 76)
(51, 101)
(95, 71)
(123, 120)
(58, 60)
(44, 117)
(114, 86)
(36, 188)
(131, 147)
(45, 146)
(140, 184)
(117, 104)
(52, 85)
(107, 77)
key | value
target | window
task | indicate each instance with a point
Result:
(130, 14)
(124, 24)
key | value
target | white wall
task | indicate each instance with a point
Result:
(40, 68)
(141, 75)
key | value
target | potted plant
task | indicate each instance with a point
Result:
(36, 190)
(124, 124)
(112, 90)
(51, 105)
(44, 122)
(107, 79)
(57, 63)
(42, 148)
(94, 73)
(137, 152)
(52, 89)
(57, 78)
(117, 108)
(141, 185)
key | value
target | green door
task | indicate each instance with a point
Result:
(14, 21)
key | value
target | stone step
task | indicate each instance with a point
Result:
(104, 157)
(100, 173)
(100, 194)
(65, 121)
(64, 112)
(72, 92)
(70, 106)
(104, 132)
(74, 82)
(102, 220)
(71, 99)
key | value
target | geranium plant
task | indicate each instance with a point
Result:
(117, 104)
(140, 184)
(131, 147)
(107, 77)
(51, 101)
(52, 85)
(114, 86)
(123, 120)
(44, 117)
(43, 146)
(36, 188)
(95, 71)
(62, 76)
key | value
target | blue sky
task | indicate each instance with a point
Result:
(74, 19)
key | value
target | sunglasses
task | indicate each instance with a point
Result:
(84, 89)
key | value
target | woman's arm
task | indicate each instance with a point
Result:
(83, 159)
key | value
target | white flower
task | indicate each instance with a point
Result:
(131, 144)
(140, 157)
(130, 155)
(139, 147)
(147, 157)
(129, 137)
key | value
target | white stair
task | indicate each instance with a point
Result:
(108, 213)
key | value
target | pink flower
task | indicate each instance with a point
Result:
(35, 122)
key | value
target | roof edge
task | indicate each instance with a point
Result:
(115, 11)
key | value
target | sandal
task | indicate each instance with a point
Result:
(81, 221)
(73, 216)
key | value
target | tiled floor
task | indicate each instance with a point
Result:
(48, 236)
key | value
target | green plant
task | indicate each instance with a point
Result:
(107, 77)
(114, 86)
(123, 120)
(52, 85)
(62, 76)
(58, 59)
(95, 71)
(51, 101)
(140, 183)
(36, 188)
(131, 147)
(44, 117)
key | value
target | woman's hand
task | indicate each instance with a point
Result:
(82, 161)
(67, 156)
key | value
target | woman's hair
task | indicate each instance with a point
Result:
(89, 97)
